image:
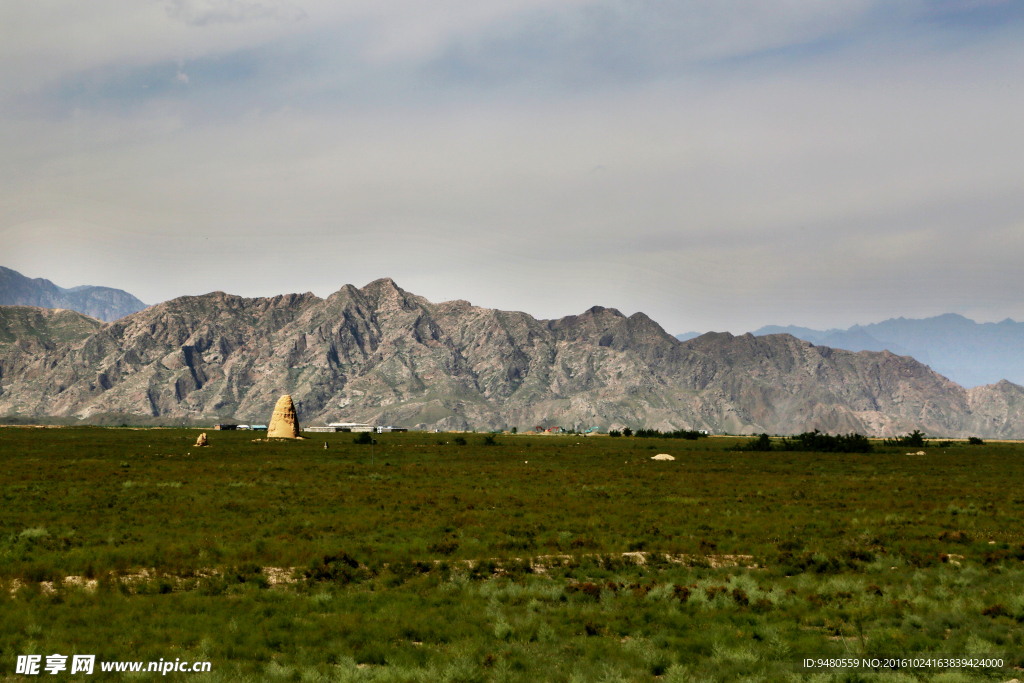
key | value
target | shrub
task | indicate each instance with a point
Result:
(627, 432)
(714, 591)
(975, 441)
(614, 433)
(591, 590)
(341, 568)
(826, 443)
(459, 441)
(913, 439)
(484, 569)
(812, 442)
(446, 546)
(489, 440)
(993, 557)
(997, 610)
(818, 563)
(760, 444)
(690, 434)
(364, 439)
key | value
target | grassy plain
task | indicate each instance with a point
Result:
(423, 566)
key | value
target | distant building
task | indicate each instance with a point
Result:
(224, 426)
(351, 426)
(384, 430)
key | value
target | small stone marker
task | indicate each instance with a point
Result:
(662, 456)
(201, 441)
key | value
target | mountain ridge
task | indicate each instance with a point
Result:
(972, 354)
(383, 355)
(103, 303)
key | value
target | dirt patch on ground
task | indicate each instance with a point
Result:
(284, 576)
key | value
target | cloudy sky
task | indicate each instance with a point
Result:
(717, 164)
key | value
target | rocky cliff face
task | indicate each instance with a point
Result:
(380, 354)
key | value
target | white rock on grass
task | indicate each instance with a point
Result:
(662, 456)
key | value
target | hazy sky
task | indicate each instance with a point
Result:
(721, 164)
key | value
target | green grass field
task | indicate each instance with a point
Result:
(504, 562)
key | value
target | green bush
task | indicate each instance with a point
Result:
(342, 568)
(689, 434)
(761, 443)
(915, 439)
(811, 442)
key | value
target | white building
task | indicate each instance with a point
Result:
(350, 426)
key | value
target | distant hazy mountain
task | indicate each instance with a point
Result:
(103, 303)
(382, 355)
(969, 353)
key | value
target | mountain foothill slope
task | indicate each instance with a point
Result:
(380, 354)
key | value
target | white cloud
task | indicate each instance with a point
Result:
(204, 12)
(744, 177)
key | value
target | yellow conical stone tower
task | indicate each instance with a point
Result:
(285, 422)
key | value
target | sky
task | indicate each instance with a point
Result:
(716, 164)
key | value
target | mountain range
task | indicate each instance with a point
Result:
(967, 352)
(382, 355)
(103, 303)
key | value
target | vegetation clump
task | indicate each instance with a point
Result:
(340, 568)
(914, 439)
(809, 442)
(689, 434)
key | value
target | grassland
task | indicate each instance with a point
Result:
(505, 562)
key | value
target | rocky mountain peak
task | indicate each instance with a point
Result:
(380, 354)
(103, 303)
